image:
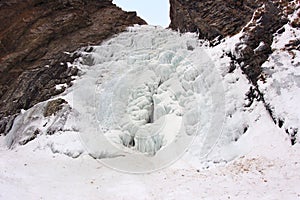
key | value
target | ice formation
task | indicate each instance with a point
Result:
(154, 91)
(142, 100)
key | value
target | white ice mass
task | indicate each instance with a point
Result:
(150, 99)
(147, 98)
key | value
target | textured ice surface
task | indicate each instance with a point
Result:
(154, 83)
(29, 124)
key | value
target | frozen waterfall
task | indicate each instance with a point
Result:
(148, 91)
(141, 100)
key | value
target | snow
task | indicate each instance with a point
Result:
(269, 171)
(155, 114)
(281, 87)
(61, 86)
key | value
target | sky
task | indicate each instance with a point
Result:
(154, 12)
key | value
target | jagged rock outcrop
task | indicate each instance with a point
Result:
(211, 18)
(34, 34)
(258, 20)
(255, 46)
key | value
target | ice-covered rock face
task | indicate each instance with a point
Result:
(153, 91)
(146, 97)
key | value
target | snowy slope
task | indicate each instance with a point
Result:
(152, 100)
(281, 87)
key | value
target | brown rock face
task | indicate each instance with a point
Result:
(211, 18)
(34, 34)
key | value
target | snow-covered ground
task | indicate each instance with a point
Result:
(269, 171)
(153, 115)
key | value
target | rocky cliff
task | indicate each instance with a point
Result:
(34, 36)
(214, 20)
(255, 25)
(211, 18)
